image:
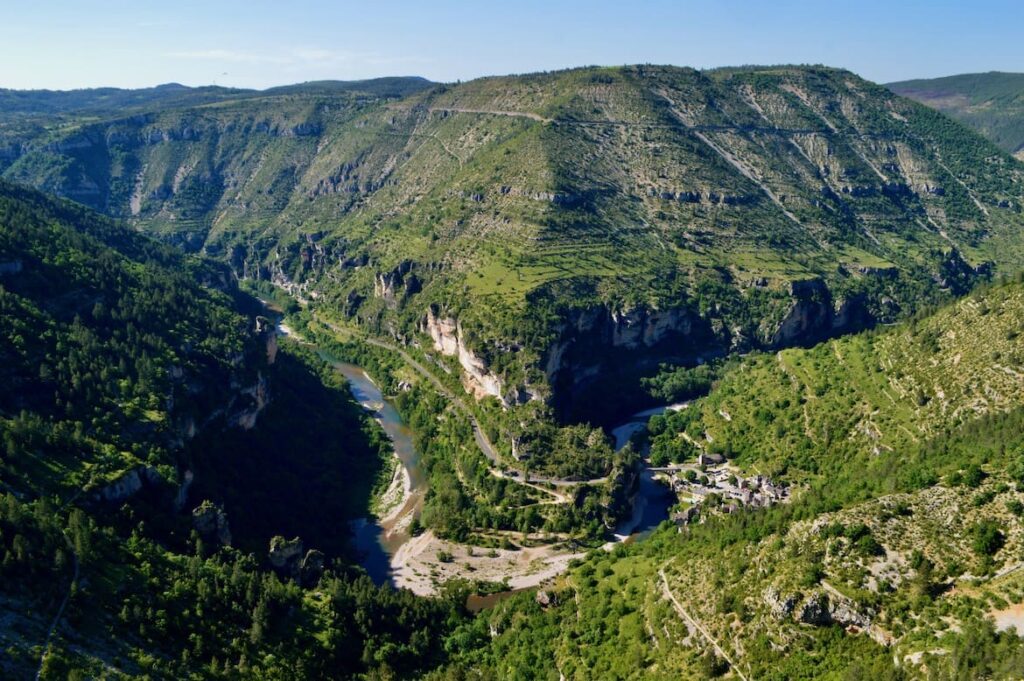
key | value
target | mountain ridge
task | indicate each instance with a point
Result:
(641, 214)
(991, 102)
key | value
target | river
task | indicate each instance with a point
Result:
(378, 540)
(653, 499)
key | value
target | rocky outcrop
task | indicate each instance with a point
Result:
(814, 316)
(254, 400)
(211, 522)
(394, 286)
(546, 599)
(285, 556)
(644, 327)
(809, 316)
(181, 497)
(595, 340)
(781, 607)
(815, 611)
(591, 332)
(129, 484)
(476, 376)
(267, 333)
(312, 567)
(820, 610)
(845, 614)
(710, 198)
(141, 478)
(957, 275)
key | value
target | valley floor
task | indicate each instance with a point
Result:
(426, 561)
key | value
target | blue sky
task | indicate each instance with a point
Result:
(255, 43)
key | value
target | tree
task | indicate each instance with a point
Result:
(987, 538)
(80, 531)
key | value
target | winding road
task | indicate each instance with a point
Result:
(482, 441)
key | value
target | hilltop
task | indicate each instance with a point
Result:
(111, 101)
(992, 103)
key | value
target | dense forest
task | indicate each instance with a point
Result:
(126, 361)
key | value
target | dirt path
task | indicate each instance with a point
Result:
(60, 611)
(558, 498)
(492, 112)
(695, 624)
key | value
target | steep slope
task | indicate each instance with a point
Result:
(643, 214)
(991, 103)
(116, 349)
(875, 569)
(76, 152)
(546, 230)
(154, 440)
(871, 398)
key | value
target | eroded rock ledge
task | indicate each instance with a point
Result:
(447, 335)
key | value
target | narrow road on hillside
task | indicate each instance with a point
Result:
(60, 610)
(698, 127)
(491, 112)
(695, 624)
(481, 438)
(482, 441)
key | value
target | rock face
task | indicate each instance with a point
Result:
(819, 609)
(395, 285)
(211, 522)
(129, 484)
(285, 556)
(182, 495)
(312, 567)
(815, 611)
(267, 333)
(476, 377)
(814, 316)
(641, 327)
(254, 399)
(601, 342)
(546, 598)
(957, 275)
(595, 341)
(586, 336)
(780, 607)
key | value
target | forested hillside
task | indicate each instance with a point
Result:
(900, 547)
(150, 423)
(991, 103)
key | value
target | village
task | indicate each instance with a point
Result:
(712, 484)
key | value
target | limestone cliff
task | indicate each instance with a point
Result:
(476, 376)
